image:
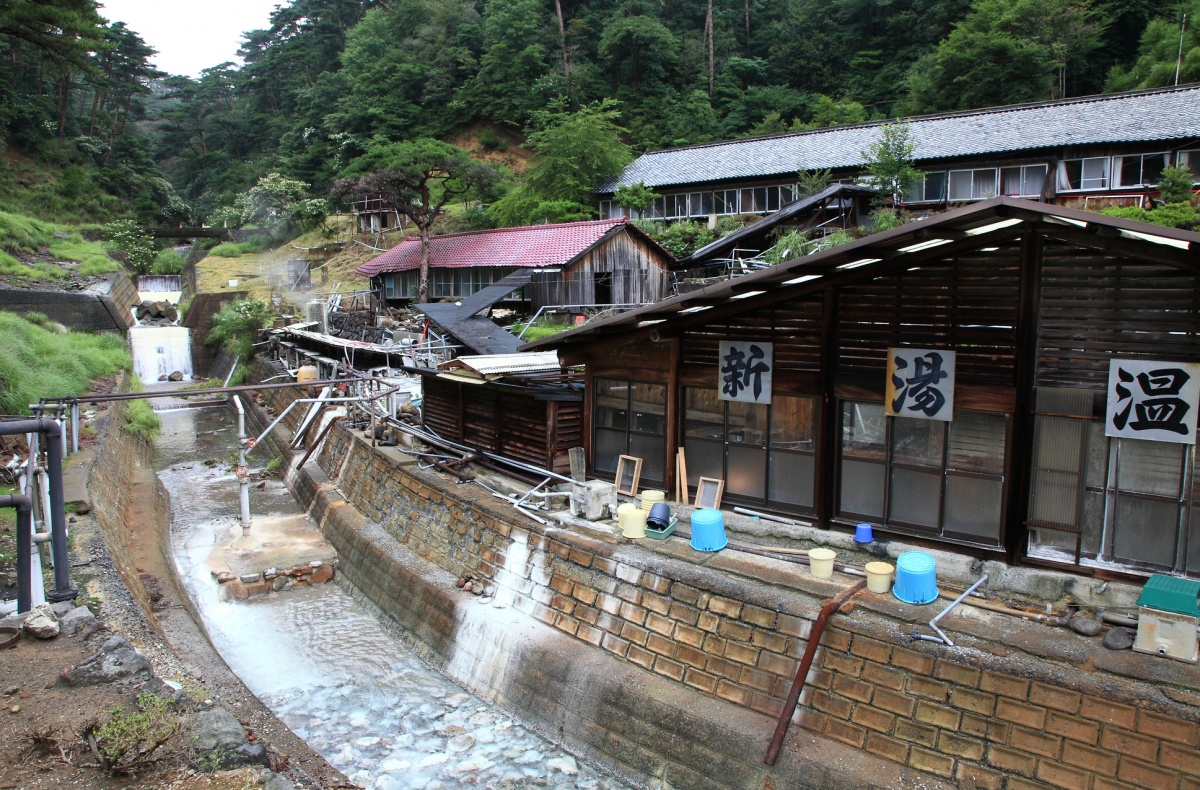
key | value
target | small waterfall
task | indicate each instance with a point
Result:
(156, 283)
(160, 351)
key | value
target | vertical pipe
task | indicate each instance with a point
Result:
(243, 474)
(75, 427)
(24, 507)
(63, 590)
(810, 650)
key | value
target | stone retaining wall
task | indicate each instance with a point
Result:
(1013, 705)
(122, 458)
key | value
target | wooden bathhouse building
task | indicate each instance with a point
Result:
(1013, 378)
(577, 264)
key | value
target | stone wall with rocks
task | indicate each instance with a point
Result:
(1014, 704)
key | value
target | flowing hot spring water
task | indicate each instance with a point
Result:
(321, 661)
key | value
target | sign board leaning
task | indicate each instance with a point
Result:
(920, 383)
(745, 371)
(1152, 400)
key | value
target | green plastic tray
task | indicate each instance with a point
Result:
(662, 534)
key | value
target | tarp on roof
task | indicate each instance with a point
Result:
(1165, 114)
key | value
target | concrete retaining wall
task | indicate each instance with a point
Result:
(670, 663)
(103, 307)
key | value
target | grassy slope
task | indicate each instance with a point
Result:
(22, 234)
(38, 359)
(252, 271)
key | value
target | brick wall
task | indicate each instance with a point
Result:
(984, 727)
(996, 717)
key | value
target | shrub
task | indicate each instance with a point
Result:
(254, 244)
(235, 325)
(140, 419)
(168, 262)
(129, 739)
(491, 141)
(1175, 184)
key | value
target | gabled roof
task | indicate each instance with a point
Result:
(1142, 116)
(534, 246)
(976, 227)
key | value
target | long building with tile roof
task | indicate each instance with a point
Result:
(1061, 151)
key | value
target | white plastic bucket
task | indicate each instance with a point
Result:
(879, 576)
(820, 561)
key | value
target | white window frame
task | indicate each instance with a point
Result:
(1042, 166)
(975, 174)
(1119, 161)
(1065, 186)
(923, 186)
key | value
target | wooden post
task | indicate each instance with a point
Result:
(824, 494)
(672, 437)
(1021, 451)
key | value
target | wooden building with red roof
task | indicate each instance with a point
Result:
(598, 263)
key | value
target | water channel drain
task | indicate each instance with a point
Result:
(324, 665)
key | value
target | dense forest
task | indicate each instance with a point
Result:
(334, 83)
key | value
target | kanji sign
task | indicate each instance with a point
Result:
(745, 371)
(1153, 400)
(920, 383)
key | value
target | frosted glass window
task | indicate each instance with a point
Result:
(915, 497)
(862, 488)
(791, 478)
(973, 507)
(746, 471)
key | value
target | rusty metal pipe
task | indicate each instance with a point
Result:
(810, 650)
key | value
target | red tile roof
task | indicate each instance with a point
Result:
(530, 246)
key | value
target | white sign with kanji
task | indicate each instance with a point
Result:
(920, 383)
(1153, 400)
(745, 371)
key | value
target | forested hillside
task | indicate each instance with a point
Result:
(332, 80)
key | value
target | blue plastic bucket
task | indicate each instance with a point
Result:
(708, 530)
(916, 578)
(862, 534)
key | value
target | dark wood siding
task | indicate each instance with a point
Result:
(1096, 306)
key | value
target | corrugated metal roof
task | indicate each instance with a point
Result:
(499, 364)
(532, 246)
(1167, 114)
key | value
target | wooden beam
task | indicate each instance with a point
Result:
(1129, 248)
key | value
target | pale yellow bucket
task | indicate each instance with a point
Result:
(820, 561)
(879, 576)
(651, 497)
(635, 523)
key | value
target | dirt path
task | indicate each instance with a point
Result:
(42, 720)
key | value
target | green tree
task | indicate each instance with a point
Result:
(1165, 46)
(637, 197)
(1007, 51)
(889, 160)
(575, 151)
(1176, 185)
(638, 49)
(278, 204)
(419, 178)
(516, 57)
